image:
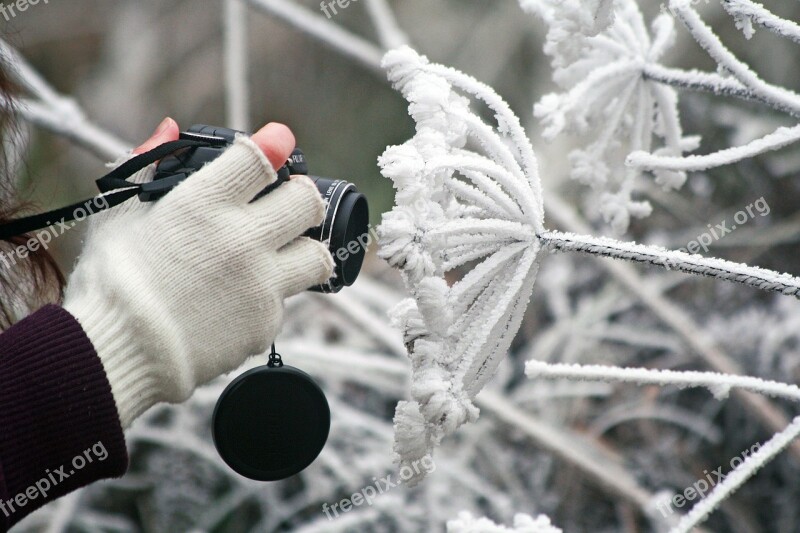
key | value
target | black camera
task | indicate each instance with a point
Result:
(344, 230)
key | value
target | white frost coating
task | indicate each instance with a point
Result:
(774, 141)
(621, 100)
(607, 99)
(456, 205)
(738, 477)
(718, 384)
(728, 62)
(758, 278)
(747, 13)
(466, 523)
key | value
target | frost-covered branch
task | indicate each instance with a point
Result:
(755, 277)
(54, 112)
(466, 523)
(706, 38)
(323, 30)
(237, 97)
(608, 99)
(456, 205)
(746, 13)
(708, 82)
(678, 320)
(738, 477)
(69, 125)
(780, 138)
(389, 33)
(719, 384)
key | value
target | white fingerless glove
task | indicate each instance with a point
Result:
(175, 293)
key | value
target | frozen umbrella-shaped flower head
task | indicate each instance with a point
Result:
(467, 192)
(601, 51)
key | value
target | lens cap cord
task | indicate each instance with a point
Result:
(271, 422)
(275, 359)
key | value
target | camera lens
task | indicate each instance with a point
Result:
(345, 229)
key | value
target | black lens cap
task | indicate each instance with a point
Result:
(271, 423)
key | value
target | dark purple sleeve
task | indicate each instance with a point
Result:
(59, 427)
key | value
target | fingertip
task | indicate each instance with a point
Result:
(277, 142)
(167, 131)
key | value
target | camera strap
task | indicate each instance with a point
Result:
(114, 187)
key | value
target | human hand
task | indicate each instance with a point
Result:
(174, 293)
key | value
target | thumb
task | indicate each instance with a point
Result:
(167, 131)
(276, 141)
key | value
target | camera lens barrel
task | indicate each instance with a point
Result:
(345, 230)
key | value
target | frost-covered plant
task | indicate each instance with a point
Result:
(466, 523)
(600, 62)
(622, 100)
(456, 205)
(469, 193)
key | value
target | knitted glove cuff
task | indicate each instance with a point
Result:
(130, 372)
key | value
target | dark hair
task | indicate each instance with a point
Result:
(26, 284)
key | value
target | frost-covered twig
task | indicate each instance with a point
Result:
(755, 277)
(754, 88)
(389, 33)
(746, 13)
(781, 138)
(706, 38)
(237, 96)
(709, 82)
(466, 523)
(678, 320)
(54, 112)
(718, 384)
(323, 30)
(75, 128)
(738, 477)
